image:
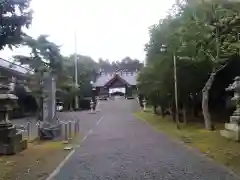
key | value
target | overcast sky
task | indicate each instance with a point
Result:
(110, 29)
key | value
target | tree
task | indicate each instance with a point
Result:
(44, 53)
(125, 64)
(14, 15)
(87, 69)
(213, 21)
(44, 57)
(203, 35)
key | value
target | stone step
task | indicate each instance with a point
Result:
(229, 134)
(231, 127)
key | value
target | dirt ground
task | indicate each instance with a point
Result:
(36, 162)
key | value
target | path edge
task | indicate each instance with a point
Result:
(198, 153)
(59, 167)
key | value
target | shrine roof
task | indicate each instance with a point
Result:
(13, 67)
(104, 78)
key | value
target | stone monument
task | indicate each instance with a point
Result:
(11, 139)
(232, 129)
(49, 128)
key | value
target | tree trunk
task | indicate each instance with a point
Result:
(205, 98)
(195, 112)
(205, 102)
(154, 109)
(70, 105)
(194, 109)
(38, 113)
(173, 114)
(162, 111)
(184, 115)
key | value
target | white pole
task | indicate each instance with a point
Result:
(176, 90)
(76, 70)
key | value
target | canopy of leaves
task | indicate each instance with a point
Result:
(44, 54)
(14, 15)
(125, 64)
(203, 35)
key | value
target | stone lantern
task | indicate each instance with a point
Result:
(11, 139)
(144, 104)
(91, 105)
(92, 111)
(232, 129)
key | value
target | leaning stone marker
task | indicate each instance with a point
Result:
(11, 139)
(50, 127)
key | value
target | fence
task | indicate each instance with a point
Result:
(25, 130)
(69, 129)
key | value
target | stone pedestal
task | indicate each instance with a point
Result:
(11, 140)
(231, 131)
(50, 132)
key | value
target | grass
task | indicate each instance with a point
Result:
(36, 162)
(210, 143)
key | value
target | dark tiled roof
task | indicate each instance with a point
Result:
(130, 78)
(13, 67)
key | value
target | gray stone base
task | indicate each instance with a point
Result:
(231, 131)
(11, 139)
(50, 133)
(92, 112)
(10, 149)
(228, 134)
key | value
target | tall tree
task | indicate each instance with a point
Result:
(44, 57)
(204, 36)
(87, 68)
(44, 54)
(14, 15)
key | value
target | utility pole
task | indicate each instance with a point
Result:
(176, 90)
(76, 70)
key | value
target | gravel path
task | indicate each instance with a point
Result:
(120, 147)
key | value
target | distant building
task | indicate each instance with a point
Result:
(122, 82)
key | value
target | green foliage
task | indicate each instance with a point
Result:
(86, 68)
(45, 55)
(203, 35)
(125, 64)
(14, 15)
